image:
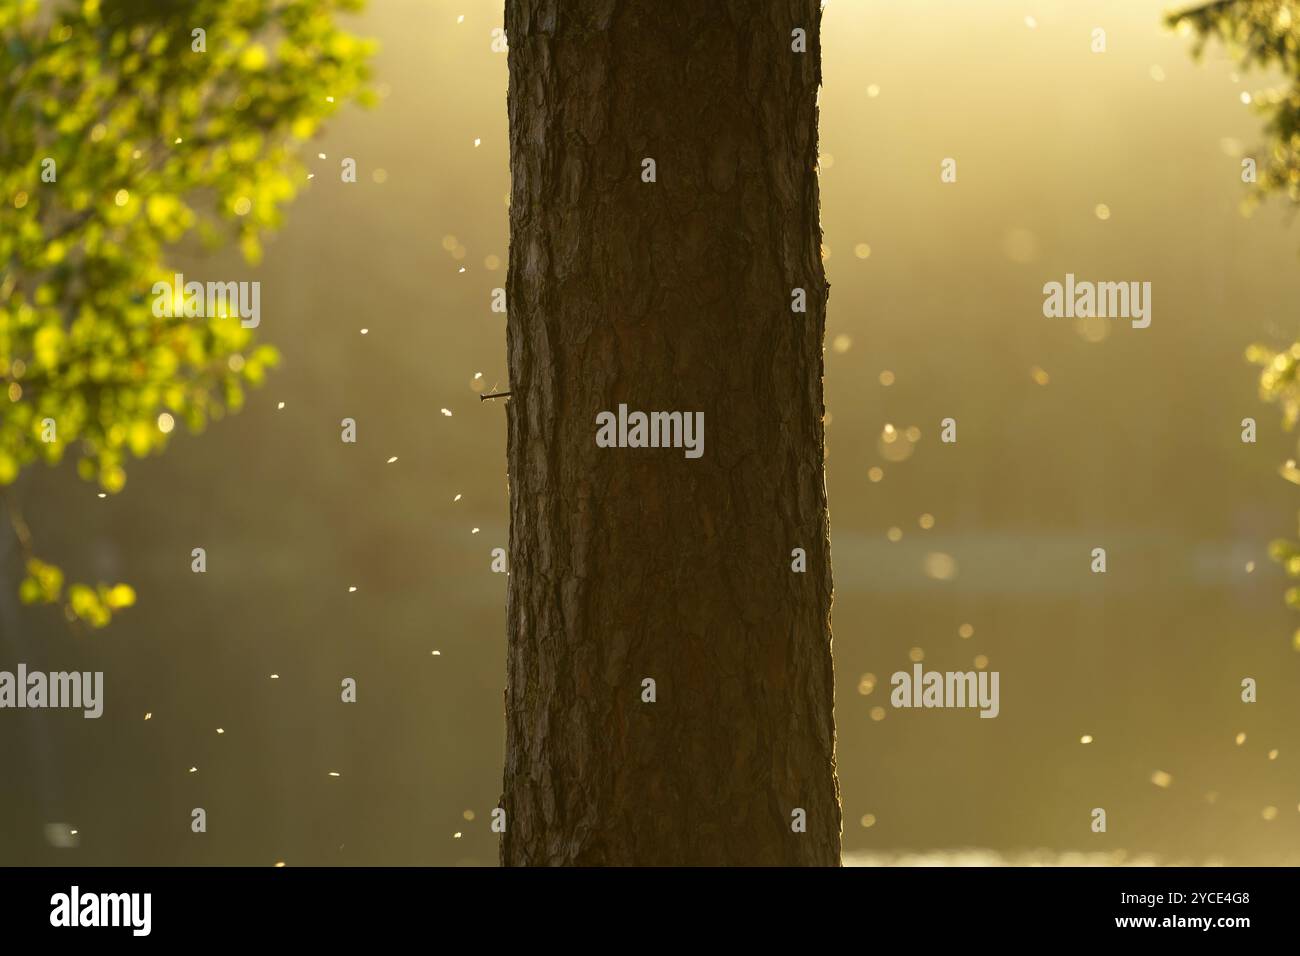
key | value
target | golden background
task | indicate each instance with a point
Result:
(1071, 436)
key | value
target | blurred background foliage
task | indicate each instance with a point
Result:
(130, 127)
(1260, 34)
(1265, 34)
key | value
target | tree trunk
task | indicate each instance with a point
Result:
(631, 563)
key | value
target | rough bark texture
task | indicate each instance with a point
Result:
(628, 563)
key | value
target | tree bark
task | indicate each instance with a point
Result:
(635, 563)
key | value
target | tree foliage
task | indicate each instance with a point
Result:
(1265, 34)
(129, 127)
(1260, 34)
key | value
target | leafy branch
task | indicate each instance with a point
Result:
(1266, 34)
(123, 136)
